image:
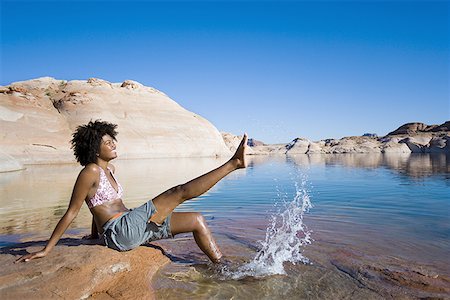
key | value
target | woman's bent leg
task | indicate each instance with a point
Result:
(166, 202)
(182, 222)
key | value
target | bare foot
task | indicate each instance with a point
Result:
(239, 156)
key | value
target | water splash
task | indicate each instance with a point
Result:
(285, 237)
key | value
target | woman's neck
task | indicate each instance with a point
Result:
(102, 164)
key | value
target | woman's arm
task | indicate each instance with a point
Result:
(85, 181)
(94, 231)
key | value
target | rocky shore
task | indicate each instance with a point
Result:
(79, 269)
(408, 138)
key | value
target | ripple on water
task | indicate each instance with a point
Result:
(392, 215)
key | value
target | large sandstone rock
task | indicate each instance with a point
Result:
(305, 146)
(356, 145)
(439, 144)
(275, 149)
(32, 129)
(412, 128)
(8, 163)
(443, 127)
(253, 143)
(417, 128)
(255, 147)
(78, 269)
(395, 147)
(232, 142)
(38, 116)
(417, 144)
(298, 146)
(316, 147)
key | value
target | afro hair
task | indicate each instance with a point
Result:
(87, 138)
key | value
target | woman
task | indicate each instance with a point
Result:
(122, 229)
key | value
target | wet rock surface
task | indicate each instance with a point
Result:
(335, 271)
(391, 277)
(79, 269)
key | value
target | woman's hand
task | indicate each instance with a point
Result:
(90, 237)
(31, 256)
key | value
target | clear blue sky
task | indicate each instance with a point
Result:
(277, 70)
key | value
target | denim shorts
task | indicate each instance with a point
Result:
(131, 229)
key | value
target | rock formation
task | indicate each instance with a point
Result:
(298, 146)
(408, 138)
(253, 143)
(268, 149)
(232, 142)
(38, 117)
(79, 269)
(8, 163)
(415, 128)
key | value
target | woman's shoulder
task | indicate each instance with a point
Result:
(90, 169)
(89, 175)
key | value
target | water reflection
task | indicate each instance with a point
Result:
(34, 199)
(413, 165)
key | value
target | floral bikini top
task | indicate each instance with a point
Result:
(105, 191)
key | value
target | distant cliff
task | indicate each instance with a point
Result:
(37, 118)
(417, 128)
(408, 138)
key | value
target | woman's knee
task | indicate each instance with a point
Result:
(178, 192)
(200, 222)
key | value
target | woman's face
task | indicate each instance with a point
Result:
(107, 148)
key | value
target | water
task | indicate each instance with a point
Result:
(285, 238)
(379, 226)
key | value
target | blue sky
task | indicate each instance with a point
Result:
(277, 70)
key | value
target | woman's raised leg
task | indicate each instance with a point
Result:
(183, 222)
(166, 202)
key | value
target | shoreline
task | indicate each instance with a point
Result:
(337, 268)
(79, 269)
(83, 269)
(255, 155)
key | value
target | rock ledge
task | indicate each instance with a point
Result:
(78, 269)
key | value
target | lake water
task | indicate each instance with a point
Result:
(379, 225)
